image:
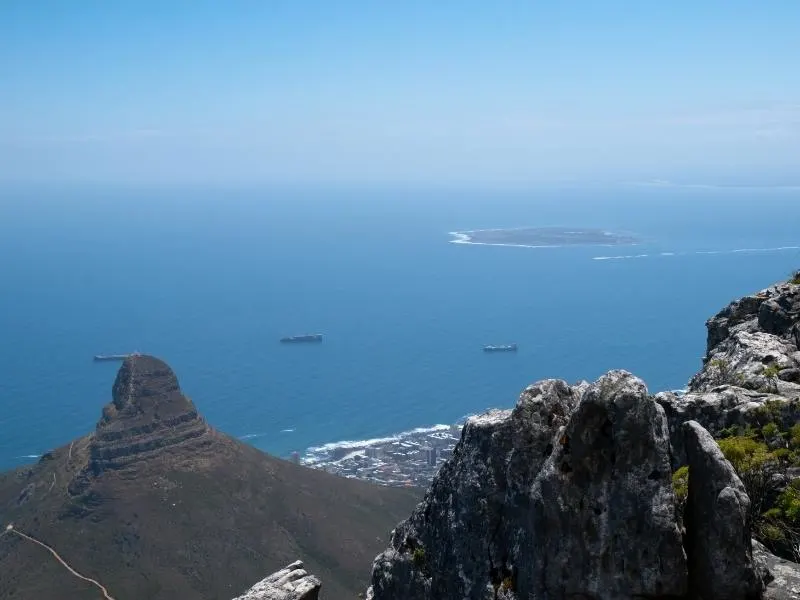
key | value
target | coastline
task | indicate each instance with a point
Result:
(464, 237)
(698, 253)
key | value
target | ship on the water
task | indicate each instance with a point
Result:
(309, 337)
(503, 348)
(105, 357)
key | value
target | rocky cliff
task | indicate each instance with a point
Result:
(752, 364)
(570, 495)
(753, 344)
(148, 413)
(148, 417)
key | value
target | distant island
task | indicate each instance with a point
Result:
(543, 237)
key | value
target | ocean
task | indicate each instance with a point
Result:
(210, 279)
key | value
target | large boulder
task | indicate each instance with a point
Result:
(603, 502)
(717, 524)
(290, 583)
(567, 496)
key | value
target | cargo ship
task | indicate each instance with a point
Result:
(504, 348)
(309, 337)
(104, 357)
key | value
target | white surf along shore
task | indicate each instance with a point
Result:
(698, 253)
(322, 453)
(467, 237)
(463, 237)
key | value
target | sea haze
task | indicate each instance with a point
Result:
(210, 280)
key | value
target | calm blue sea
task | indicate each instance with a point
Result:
(209, 280)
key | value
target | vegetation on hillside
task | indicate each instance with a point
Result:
(723, 373)
(680, 483)
(762, 456)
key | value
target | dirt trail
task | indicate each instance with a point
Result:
(10, 529)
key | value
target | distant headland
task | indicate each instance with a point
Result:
(543, 237)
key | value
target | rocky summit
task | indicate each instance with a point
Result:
(157, 504)
(148, 416)
(569, 495)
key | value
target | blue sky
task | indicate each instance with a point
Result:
(407, 91)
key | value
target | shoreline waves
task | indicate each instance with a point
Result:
(316, 454)
(467, 237)
(698, 253)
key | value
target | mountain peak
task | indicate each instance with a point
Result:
(160, 505)
(145, 388)
(148, 412)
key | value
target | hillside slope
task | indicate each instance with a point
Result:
(157, 504)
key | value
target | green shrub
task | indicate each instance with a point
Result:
(795, 278)
(794, 436)
(418, 557)
(769, 412)
(770, 373)
(778, 526)
(680, 483)
(744, 453)
(770, 431)
(729, 431)
(782, 455)
(723, 372)
(789, 501)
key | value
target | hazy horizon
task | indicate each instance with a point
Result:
(454, 94)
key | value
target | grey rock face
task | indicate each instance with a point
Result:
(782, 576)
(718, 532)
(148, 414)
(752, 360)
(779, 314)
(733, 316)
(750, 335)
(721, 408)
(604, 501)
(290, 583)
(567, 496)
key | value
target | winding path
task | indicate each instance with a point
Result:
(10, 529)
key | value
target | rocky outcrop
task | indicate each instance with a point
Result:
(567, 496)
(290, 583)
(722, 408)
(751, 368)
(718, 531)
(148, 418)
(148, 413)
(754, 343)
(781, 576)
